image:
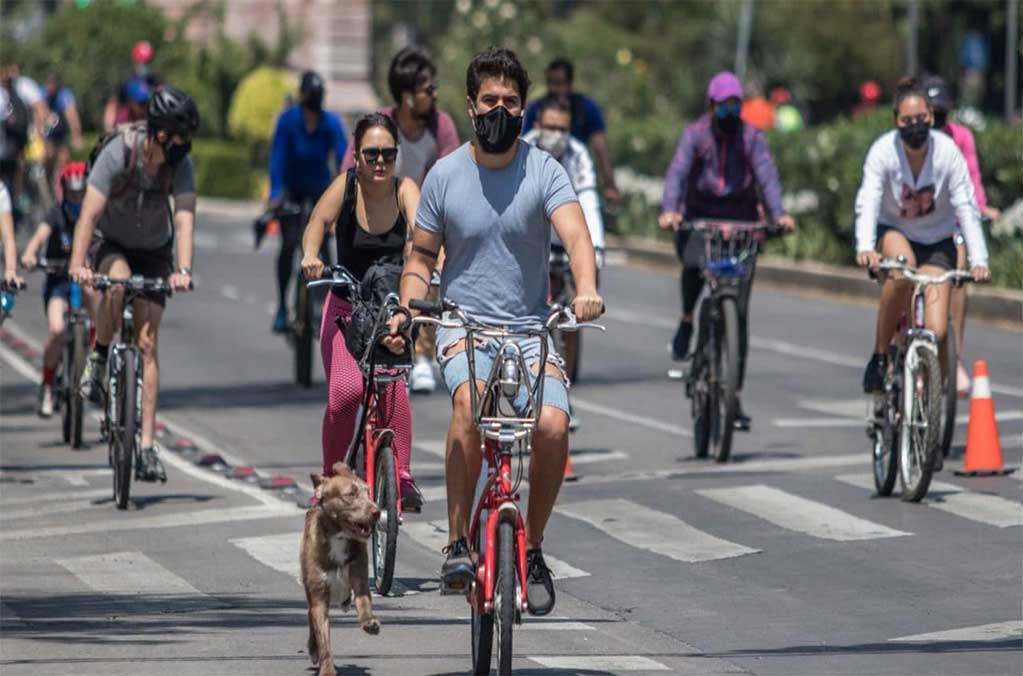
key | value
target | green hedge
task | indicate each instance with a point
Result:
(222, 168)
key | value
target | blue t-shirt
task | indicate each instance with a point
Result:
(298, 158)
(497, 231)
(587, 119)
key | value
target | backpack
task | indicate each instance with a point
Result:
(362, 330)
(131, 132)
(16, 122)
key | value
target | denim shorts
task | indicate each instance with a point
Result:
(455, 368)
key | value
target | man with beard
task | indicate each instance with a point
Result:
(719, 164)
(425, 135)
(300, 171)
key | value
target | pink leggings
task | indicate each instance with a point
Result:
(345, 394)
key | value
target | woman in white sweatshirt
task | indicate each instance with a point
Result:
(915, 188)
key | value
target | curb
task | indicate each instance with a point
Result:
(1002, 305)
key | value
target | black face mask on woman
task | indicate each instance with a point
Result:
(173, 153)
(497, 130)
(915, 135)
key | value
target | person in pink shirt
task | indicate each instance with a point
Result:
(942, 104)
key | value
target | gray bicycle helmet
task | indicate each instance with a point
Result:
(173, 111)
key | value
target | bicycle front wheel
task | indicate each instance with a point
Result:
(385, 533)
(921, 422)
(949, 392)
(726, 367)
(704, 403)
(884, 457)
(505, 598)
(123, 434)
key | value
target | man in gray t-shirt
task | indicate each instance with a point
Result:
(127, 200)
(491, 206)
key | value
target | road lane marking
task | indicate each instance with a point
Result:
(799, 514)
(230, 292)
(997, 631)
(433, 535)
(279, 552)
(127, 573)
(553, 624)
(799, 423)
(8, 616)
(632, 418)
(598, 663)
(779, 346)
(651, 530)
(176, 520)
(992, 510)
(46, 498)
(49, 509)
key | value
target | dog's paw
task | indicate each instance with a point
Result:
(371, 626)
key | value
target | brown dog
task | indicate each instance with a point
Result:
(334, 558)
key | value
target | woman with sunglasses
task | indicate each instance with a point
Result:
(371, 212)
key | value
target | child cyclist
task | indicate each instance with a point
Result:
(55, 233)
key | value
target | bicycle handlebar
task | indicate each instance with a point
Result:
(339, 276)
(12, 287)
(899, 264)
(560, 319)
(133, 283)
(724, 225)
(52, 266)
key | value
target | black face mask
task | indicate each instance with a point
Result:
(173, 153)
(728, 125)
(497, 130)
(313, 101)
(915, 135)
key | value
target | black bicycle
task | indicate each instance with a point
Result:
(562, 293)
(713, 376)
(74, 350)
(122, 422)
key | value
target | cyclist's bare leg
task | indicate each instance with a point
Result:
(55, 319)
(546, 467)
(108, 311)
(462, 461)
(147, 322)
(936, 310)
(895, 293)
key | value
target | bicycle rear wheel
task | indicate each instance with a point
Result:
(704, 402)
(949, 392)
(123, 434)
(303, 335)
(726, 367)
(482, 622)
(505, 598)
(884, 455)
(74, 405)
(921, 423)
(385, 532)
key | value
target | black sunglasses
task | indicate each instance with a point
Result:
(371, 155)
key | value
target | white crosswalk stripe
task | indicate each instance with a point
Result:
(433, 535)
(279, 552)
(127, 573)
(799, 514)
(984, 632)
(599, 663)
(954, 499)
(655, 531)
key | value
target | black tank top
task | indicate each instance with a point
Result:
(358, 249)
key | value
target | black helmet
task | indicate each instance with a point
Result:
(173, 111)
(311, 83)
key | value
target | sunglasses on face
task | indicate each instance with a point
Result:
(371, 155)
(723, 110)
(429, 90)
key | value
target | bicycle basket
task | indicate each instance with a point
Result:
(727, 251)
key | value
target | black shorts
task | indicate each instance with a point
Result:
(940, 254)
(145, 262)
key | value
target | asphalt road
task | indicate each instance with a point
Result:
(780, 562)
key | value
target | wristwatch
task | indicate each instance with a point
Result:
(185, 270)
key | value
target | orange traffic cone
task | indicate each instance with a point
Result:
(273, 227)
(983, 449)
(568, 468)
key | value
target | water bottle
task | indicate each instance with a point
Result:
(6, 302)
(76, 296)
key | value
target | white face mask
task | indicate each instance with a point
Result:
(552, 141)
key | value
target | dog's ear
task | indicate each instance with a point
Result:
(317, 479)
(342, 469)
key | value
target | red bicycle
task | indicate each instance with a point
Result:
(371, 454)
(497, 534)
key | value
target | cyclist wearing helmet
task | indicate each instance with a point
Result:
(63, 126)
(299, 172)
(55, 232)
(128, 103)
(127, 202)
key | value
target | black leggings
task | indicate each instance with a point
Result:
(292, 228)
(691, 285)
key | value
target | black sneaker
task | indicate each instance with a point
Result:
(91, 384)
(680, 343)
(457, 572)
(873, 377)
(743, 421)
(539, 585)
(150, 468)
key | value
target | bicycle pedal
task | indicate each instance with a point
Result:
(457, 586)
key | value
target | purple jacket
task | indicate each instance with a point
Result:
(715, 177)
